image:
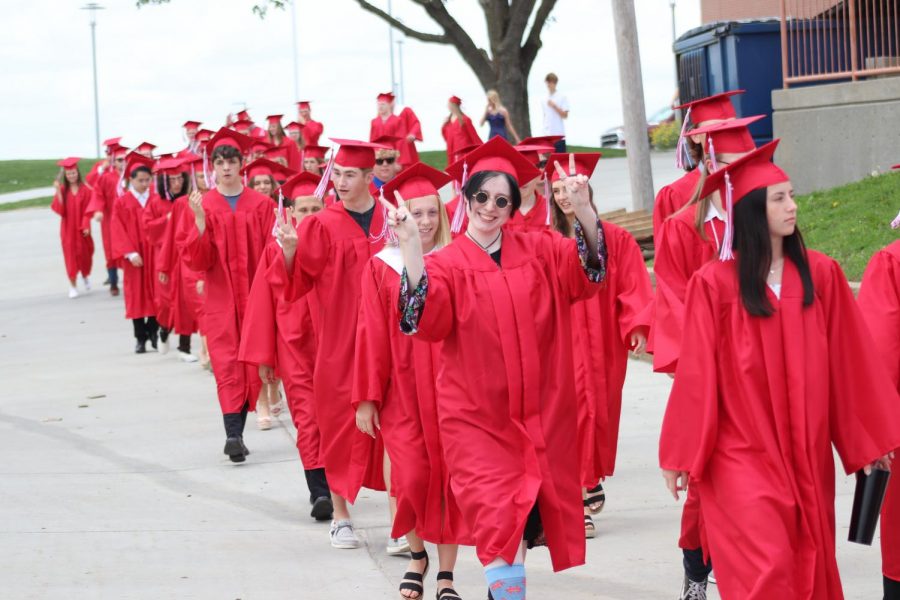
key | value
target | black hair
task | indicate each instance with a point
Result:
(165, 190)
(753, 248)
(139, 169)
(227, 152)
(473, 185)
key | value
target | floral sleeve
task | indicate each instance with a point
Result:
(412, 303)
(594, 267)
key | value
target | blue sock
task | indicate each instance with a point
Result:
(506, 582)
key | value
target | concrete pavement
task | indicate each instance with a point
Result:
(26, 195)
(113, 484)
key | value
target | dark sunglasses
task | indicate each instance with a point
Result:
(382, 161)
(499, 201)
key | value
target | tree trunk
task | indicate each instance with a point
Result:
(512, 84)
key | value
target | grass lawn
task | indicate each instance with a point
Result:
(33, 203)
(849, 223)
(17, 175)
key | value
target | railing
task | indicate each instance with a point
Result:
(825, 40)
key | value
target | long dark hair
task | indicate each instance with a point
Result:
(477, 180)
(753, 249)
(558, 218)
(64, 182)
(165, 190)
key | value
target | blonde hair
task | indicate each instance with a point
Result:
(442, 235)
(387, 153)
(494, 96)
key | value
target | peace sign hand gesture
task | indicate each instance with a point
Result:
(577, 186)
(286, 234)
(399, 220)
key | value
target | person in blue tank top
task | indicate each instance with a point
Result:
(498, 117)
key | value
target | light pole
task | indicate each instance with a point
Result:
(400, 64)
(391, 50)
(93, 7)
(674, 38)
(672, 6)
(294, 32)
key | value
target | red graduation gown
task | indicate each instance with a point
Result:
(329, 264)
(459, 134)
(397, 372)
(157, 216)
(289, 151)
(96, 171)
(601, 332)
(535, 220)
(673, 197)
(511, 435)
(186, 304)
(756, 406)
(102, 200)
(78, 250)
(391, 126)
(409, 155)
(311, 132)
(879, 301)
(680, 252)
(282, 335)
(227, 254)
(129, 234)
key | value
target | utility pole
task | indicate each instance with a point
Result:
(391, 50)
(92, 8)
(633, 107)
(401, 94)
(674, 38)
(294, 33)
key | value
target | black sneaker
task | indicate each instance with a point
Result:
(236, 450)
(140, 347)
(154, 341)
(692, 590)
(322, 509)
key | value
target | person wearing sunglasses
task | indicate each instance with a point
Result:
(387, 161)
(500, 303)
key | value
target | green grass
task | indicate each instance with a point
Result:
(17, 175)
(849, 223)
(33, 203)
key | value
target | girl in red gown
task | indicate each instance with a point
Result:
(70, 202)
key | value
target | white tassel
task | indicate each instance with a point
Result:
(725, 252)
(681, 151)
(712, 155)
(326, 176)
(460, 213)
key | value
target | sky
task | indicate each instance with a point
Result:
(200, 59)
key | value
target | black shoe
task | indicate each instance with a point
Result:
(140, 348)
(163, 335)
(154, 341)
(236, 450)
(322, 509)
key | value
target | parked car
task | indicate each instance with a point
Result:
(615, 137)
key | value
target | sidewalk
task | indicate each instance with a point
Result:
(26, 195)
(114, 485)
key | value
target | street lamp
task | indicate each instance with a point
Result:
(294, 33)
(400, 63)
(391, 49)
(93, 7)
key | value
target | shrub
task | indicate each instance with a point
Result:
(665, 137)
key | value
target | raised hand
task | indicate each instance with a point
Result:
(195, 200)
(577, 186)
(286, 234)
(399, 220)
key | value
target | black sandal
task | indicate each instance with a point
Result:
(590, 530)
(415, 579)
(595, 495)
(446, 593)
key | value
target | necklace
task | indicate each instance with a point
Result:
(778, 268)
(485, 248)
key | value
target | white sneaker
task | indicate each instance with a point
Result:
(712, 578)
(164, 346)
(692, 590)
(186, 357)
(343, 536)
(397, 546)
(87, 283)
(73, 293)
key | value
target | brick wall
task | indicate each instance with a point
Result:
(731, 10)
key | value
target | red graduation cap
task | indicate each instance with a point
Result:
(244, 116)
(356, 154)
(227, 137)
(388, 141)
(192, 124)
(716, 107)
(135, 160)
(170, 166)
(464, 150)
(145, 147)
(494, 155)
(68, 163)
(386, 97)
(585, 163)
(542, 140)
(264, 166)
(111, 142)
(203, 135)
(455, 100)
(317, 152)
(303, 104)
(896, 167)
(293, 126)
(416, 181)
(260, 145)
(119, 151)
(301, 184)
(192, 162)
(729, 136)
(274, 119)
(242, 124)
(533, 151)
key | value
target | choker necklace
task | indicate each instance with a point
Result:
(485, 248)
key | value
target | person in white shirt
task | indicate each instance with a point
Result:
(556, 111)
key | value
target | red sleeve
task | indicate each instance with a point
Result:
(259, 331)
(372, 133)
(199, 250)
(310, 260)
(57, 205)
(122, 243)
(575, 283)
(673, 268)
(411, 123)
(85, 194)
(863, 402)
(167, 251)
(437, 317)
(97, 203)
(156, 217)
(294, 159)
(879, 302)
(634, 291)
(373, 339)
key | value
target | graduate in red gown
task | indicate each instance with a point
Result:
(387, 162)
(191, 129)
(173, 272)
(689, 154)
(879, 302)
(279, 339)
(279, 139)
(775, 369)
(110, 185)
(310, 130)
(101, 166)
(132, 245)
(604, 329)
(458, 130)
(534, 214)
(314, 159)
(70, 201)
(500, 301)
(335, 245)
(394, 391)
(386, 122)
(264, 176)
(223, 237)
(412, 133)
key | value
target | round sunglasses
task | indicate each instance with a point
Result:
(499, 201)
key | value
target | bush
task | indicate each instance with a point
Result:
(665, 137)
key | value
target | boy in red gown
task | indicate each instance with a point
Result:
(109, 187)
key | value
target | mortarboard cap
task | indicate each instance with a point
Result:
(119, 151)
(303, 104)
(293, 126)
(68, 163)
(533, 151)
(145, 147)
(542, 140)
(455, 100)
(317, 152)
(717, 107)
(301, 184)
(192, 124)
(416, 181)
(386, 97)
(274, 119)
(260, 145)
(495, 155)
(355, 154)
(112, 142)
(264, 166)
(585, 163)
(729, 136)
(227, 137)
(203, 135)
(459, 153)
(244, 116)
(169, 166)
(135, 160)
(192, 162)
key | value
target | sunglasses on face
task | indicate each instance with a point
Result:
(384, 161)
(499, 201)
